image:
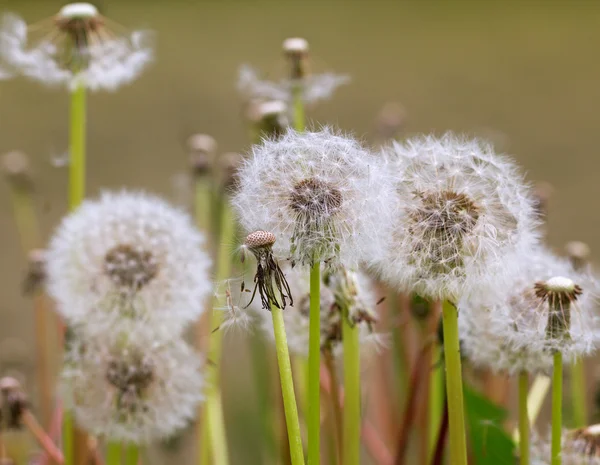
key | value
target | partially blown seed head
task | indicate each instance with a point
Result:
(579, 447)
(317, 192)
(132, 392)
(128, 260)
(459, 208)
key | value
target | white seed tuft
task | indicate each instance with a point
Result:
(128, 261)
(78, 10)
(560, 284)
(317, 192)
(459, 208)
(295, 45)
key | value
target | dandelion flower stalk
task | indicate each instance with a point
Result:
(314, 367)
(114, 452)
(557, 379)
(454, 386)
(351, 441)
(524, 444)
(77, 138)
(132, 454)
(296, 49)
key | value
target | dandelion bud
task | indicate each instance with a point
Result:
(459, 209)
(559, 293)
(202, 149)
(17, 169)
(271, 118)
(317, 192)
(391, 120)
(13, 403)
(135, 391)
(541, 197)
(268, 273)
(579, 254)
(36, 272)
(141, 267)
(229, 163)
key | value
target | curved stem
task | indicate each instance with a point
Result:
(578, 393)
(42, 437)
(352, 392)
(287, 387)
(557, 378)
(523, 418)
(314, 366)
(454, 387)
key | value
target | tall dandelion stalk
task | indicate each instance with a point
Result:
(524, 444)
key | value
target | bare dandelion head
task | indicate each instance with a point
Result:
(317, 192)
(13, 402)
(459, 208)
(17, 169)
(76, 47)
(202, 150)
(128, 260)
(296, 50)
(135, 392)
(579, 254)
(35, 277)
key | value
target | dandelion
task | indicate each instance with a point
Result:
(133, 392)
(315, 87)
(77, 48)
(579, 447)
(459, 208)
(128, 262)
(317, 192)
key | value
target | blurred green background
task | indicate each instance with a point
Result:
(524, 74)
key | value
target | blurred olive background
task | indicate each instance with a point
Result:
(524, 74)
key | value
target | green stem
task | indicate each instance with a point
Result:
(557, 379)
(299, 124)
(351, 438)
(523, 418)
(314, 367)
(436, 399)
(113, 453)
(212, 417)
(287, 387)
(77, 148)
(261, 365)
(132, 454)
(578, 393)
(67, 437)
(454, 387)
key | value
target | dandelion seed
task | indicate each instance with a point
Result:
(77, 47)
(579, 447)
(128, 263)
(319, 193)
(132, 392)
(459, 209)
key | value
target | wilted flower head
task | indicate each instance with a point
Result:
(549, 307)
(459, 208)
(344, 294)
(132, 392)
(77, 47)
(128, 261)
(317, 192)
(315, 87)
(579, 447)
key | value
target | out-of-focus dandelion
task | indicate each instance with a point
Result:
(317, 192)
(140, 265)
(579, 254)
(269, 119)
(391, 120)
(132, 391)
(579, 447)
(76, 47)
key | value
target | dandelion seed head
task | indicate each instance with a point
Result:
(578, 447)
(459, 208)
(132, 392)
(317, 192)
(541, 312)
(128, 261)
(79, 50)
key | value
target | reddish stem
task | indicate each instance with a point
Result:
(40, 435)
(438, 455)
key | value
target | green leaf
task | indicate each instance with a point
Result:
(490, 443)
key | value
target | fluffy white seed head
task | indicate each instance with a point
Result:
(96, 58)
(315, 87)
(356, 289)
(318, 192)
(578, 447)
(539, 313)
(459, 208)
(128, 262)
(132, 392)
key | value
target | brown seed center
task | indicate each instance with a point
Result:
(447, 213)
(130, 268)
(131, 378)
(315, 197)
